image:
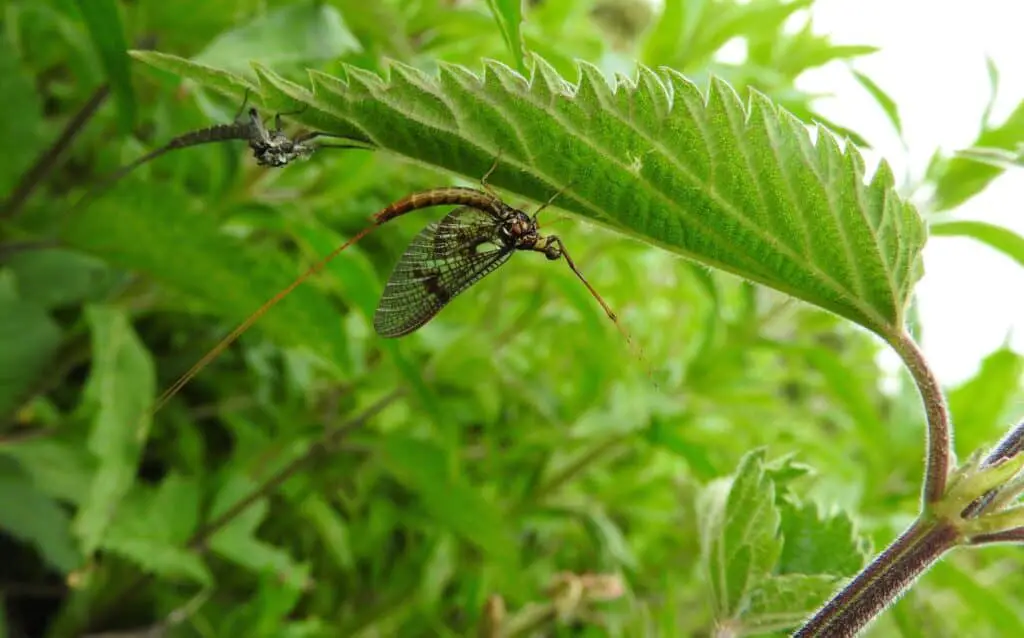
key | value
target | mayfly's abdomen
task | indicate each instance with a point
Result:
(218, 133)
(449, 196)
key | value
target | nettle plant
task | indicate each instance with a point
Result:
(743, 187)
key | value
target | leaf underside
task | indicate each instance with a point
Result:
(745, 188)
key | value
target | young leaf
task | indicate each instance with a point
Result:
(819, 545)
(509, 16)
(103, 19)
(741, 188)
(739, 535)
(121, 388)
(784, 602)
(1002, 239)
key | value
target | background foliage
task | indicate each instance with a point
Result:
(520, 439)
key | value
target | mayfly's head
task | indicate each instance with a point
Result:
(518, 229)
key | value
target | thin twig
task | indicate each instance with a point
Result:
(46, 162)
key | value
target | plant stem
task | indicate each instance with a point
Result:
(49, 158)
(882, 581)
(939, 441)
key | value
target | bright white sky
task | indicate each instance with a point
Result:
(932, 63)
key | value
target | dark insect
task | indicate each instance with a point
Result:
(448, 257)
(445, 259)
(270, 147)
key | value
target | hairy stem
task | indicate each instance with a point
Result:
(882, 581)
(939, 441)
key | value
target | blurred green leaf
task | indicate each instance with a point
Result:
(120, 389)
(979, 407)
(509, 16)
(21, 133)
(29, 339)
(994, 157)
(958, 179)
(780, 210)
(35, 518)
(884, 100)
(59, 468)
(331, 528)
(237, 540)
(819, 545)
(739, 535)
(689, 31)
(993, 83)
(305, 32)
(453, 503)
(103, 20)
(56, 278)
(183, 247)
(1002, 239)
(161, 558)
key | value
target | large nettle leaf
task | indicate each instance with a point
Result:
(748, 189)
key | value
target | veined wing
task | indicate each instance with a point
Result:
(441, 262)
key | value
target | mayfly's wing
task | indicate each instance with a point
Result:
(442, 261)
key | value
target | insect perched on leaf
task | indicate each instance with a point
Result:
(270, 146)
(443, 260)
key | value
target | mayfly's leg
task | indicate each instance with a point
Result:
(483, 180)
(277, 117)
(550, 201)
(241, 109)
(553, 248)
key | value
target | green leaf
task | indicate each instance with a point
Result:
(958, 179)
(28, 341)
(103, 20)
(22, 126)
(120, 388)
(298, 33)
(332, 529)
(817, 544)
(980, 405)
(182, 246)
(35, 518)
(1002, 239)
(237, 541)
(56, 278)
(688, 33)
(993, 83)
(884, 100)
(509, 16)
(739, 535)
(784, 602)
(160, 558)
(453, 503)
(742, 189)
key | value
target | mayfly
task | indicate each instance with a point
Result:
(270, 147)
(443, 260)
